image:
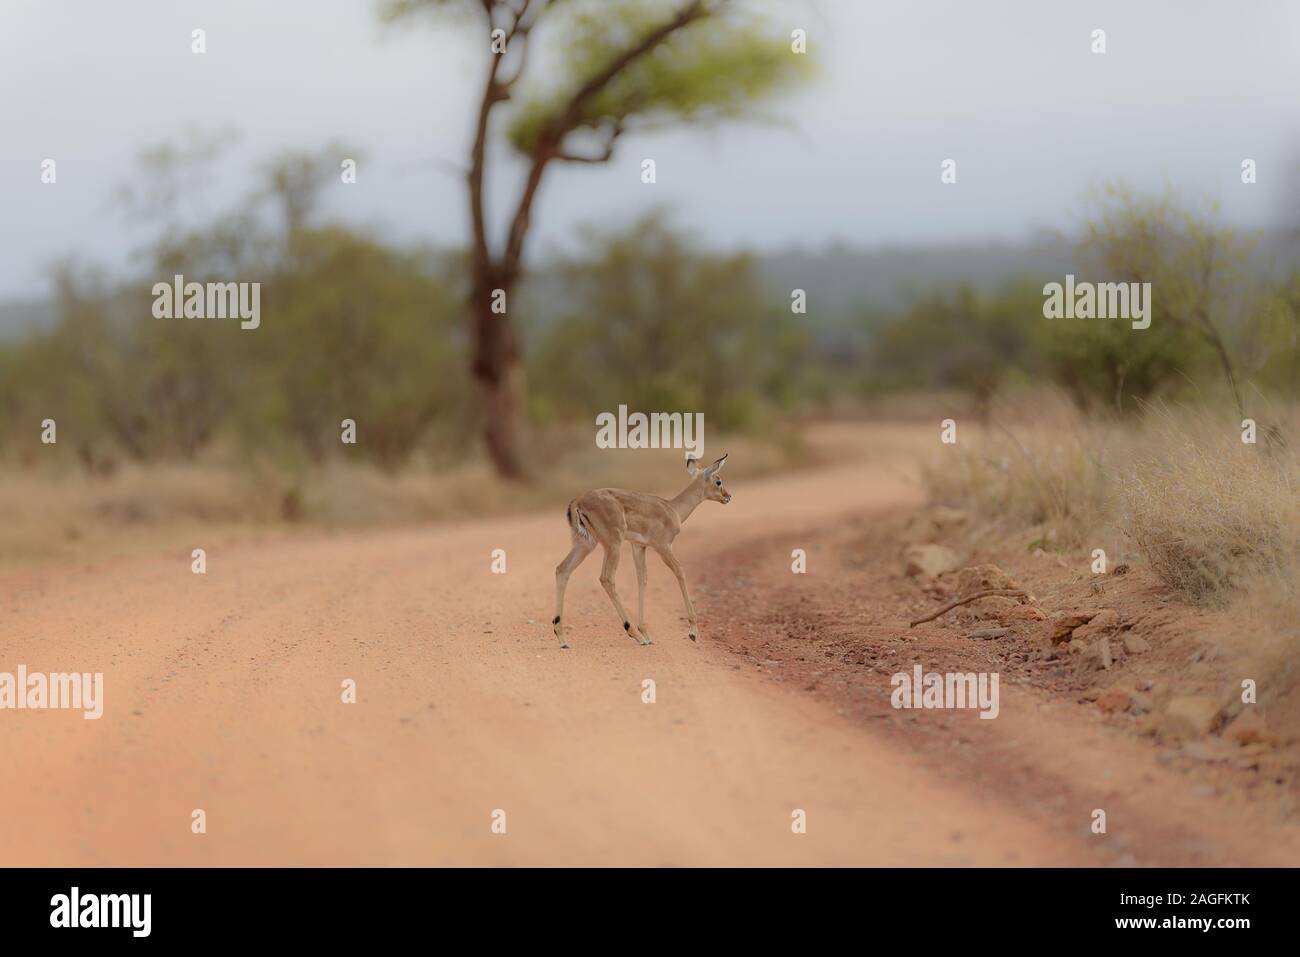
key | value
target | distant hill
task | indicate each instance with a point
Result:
(843, 283)
(842, 279)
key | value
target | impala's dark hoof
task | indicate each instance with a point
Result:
(555, 620)
(627, 626)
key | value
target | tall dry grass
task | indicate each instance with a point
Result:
(1207, 511)
(1214, 515)
(1216, 519)
(51, 513)
(1049, 474)
(1219, 521)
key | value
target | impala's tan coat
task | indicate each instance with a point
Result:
(610, 516)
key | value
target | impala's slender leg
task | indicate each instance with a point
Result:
(638, 559)
(607, 572)
(581, 549)
(676, 567)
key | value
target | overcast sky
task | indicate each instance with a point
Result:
(1008, 88)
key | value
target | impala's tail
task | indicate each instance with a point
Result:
(577, 522)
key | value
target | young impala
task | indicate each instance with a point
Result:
(609, 516)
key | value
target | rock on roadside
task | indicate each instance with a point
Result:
(1135, 644)
(1116, 698)
(1101, 625)
(1064, 623)
(983, 577)
(929, 560)
(1188, 717)
(1249, 728)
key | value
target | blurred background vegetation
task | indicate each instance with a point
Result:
(360, 328)
(403, 338)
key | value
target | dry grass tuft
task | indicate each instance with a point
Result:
(1211, 514)
(1050, 475)
(1216, 519)
(57, 513)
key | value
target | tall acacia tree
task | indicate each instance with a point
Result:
(623, 64)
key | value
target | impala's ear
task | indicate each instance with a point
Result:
(692, 464)
(717, 466)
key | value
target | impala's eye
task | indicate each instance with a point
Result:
(719, 483)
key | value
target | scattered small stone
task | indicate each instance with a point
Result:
(937, 589)
(1141, 703)
(1100, 625)
(1206, 751)
(1114, 699)
(1188, 717)
(1120, 569)
(983, 577)
(993, 606)
(1249, 728)
(1064, 623)
(929, 560)
(984, 634)
(1135, 644)
(1022, 613)
(1095, 656)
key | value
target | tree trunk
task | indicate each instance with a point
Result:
(1225, 361)
(502, 399)
(500, 376)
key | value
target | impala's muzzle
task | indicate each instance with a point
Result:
(726, 497)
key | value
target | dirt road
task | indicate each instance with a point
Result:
(223, 693)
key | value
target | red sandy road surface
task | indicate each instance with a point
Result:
(223, 693)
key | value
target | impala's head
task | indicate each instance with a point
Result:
(713, 490)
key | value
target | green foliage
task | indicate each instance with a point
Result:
(355, 328)
(360, 331)
(1106, 364)
(658, 324)
(959, 340)
(1213, 325)
(350, 329)
(1272, 342)
(1202, 297)
(708, 70)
